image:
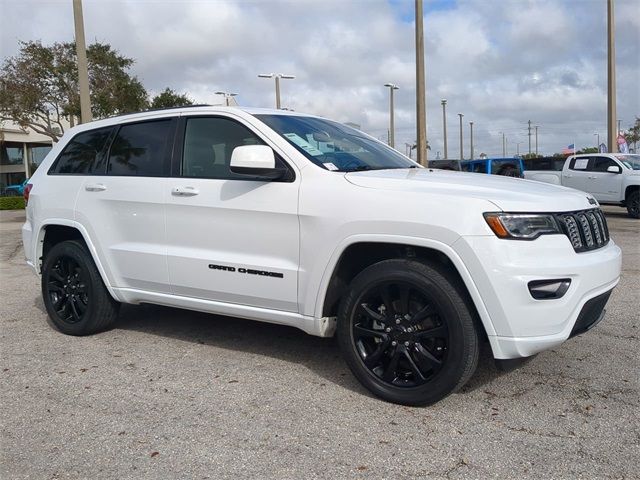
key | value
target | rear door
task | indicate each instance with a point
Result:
(230, 239)
(122, 208)
(577, 174)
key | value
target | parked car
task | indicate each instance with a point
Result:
(15, 190)
(612, 179)
(293, 219)
(507, 167)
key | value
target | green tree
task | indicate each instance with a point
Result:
(168, 98)
(588, 150)
(633, 134)
(527, 156)
(39, 86)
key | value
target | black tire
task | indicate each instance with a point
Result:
(74, 295)
(437, 326)
(633, 204)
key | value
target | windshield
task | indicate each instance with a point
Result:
(630, 161)
(334, 146)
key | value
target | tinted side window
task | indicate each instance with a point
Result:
(208, 144)
(600, 164)
(480, 167)
(139, 149)
(82, 153)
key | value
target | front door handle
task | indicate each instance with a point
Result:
(185, 191)
(95, 187)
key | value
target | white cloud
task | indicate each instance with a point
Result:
(500, 62)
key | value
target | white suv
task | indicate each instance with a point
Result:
(297, 220)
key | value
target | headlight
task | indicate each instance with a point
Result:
(522, 226)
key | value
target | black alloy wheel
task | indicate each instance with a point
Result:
(76, 299)
(399, 334)
(406, 330)
(68, 290)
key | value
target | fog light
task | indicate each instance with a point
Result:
(549, 289)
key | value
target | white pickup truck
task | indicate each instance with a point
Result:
(611, 178)
(297, 220)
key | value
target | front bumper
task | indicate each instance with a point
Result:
(523, 326)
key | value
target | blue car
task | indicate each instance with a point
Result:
(16, 190)
(508, 167)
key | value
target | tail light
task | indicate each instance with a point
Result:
(27, 191)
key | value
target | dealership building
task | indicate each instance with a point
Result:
(21, 151)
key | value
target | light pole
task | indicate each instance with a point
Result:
(461, 149)
(518, 148)
(619, 122)
(471, 136)
(598, 136)
(443, 102)
(611, 80)
(421, 107)
(536, 127)
(227, 96)
(277, 76)
(504, 146)
(529, 133)
(83, 70)
(392, 87)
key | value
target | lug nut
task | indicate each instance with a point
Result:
(409, 329)
(394, 343)
(406, 344)
(388, 329)
(397, 321)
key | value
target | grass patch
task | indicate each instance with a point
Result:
(11, 203)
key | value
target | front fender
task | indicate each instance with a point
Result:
(445, 249)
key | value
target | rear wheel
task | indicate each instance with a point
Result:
(74, 295)
(633, 204)
(407, 332)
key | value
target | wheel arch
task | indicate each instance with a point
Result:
(356, 253)
(56, 230)
(629, 190)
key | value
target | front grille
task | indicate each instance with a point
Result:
(586, 229)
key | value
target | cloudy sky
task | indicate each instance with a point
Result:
(499, 62)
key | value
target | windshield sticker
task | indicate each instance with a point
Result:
(581, 164)
(330, 166)
(302, 143)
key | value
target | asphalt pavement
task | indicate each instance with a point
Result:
(176, 394)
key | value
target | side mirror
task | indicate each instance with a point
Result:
(614, 169)
(257, 162)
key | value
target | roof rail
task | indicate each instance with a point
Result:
(155, 110)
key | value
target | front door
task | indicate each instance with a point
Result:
(229, 239)
(604, 185)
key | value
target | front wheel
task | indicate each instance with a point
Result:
(76, 299)
(633, 204)
(407, 332)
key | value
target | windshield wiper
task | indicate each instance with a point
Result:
(360, 168)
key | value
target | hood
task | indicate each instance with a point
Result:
(509, 194)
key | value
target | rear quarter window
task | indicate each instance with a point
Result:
(81, 156)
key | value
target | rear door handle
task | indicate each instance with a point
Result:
(185, 191)
(95, 187)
